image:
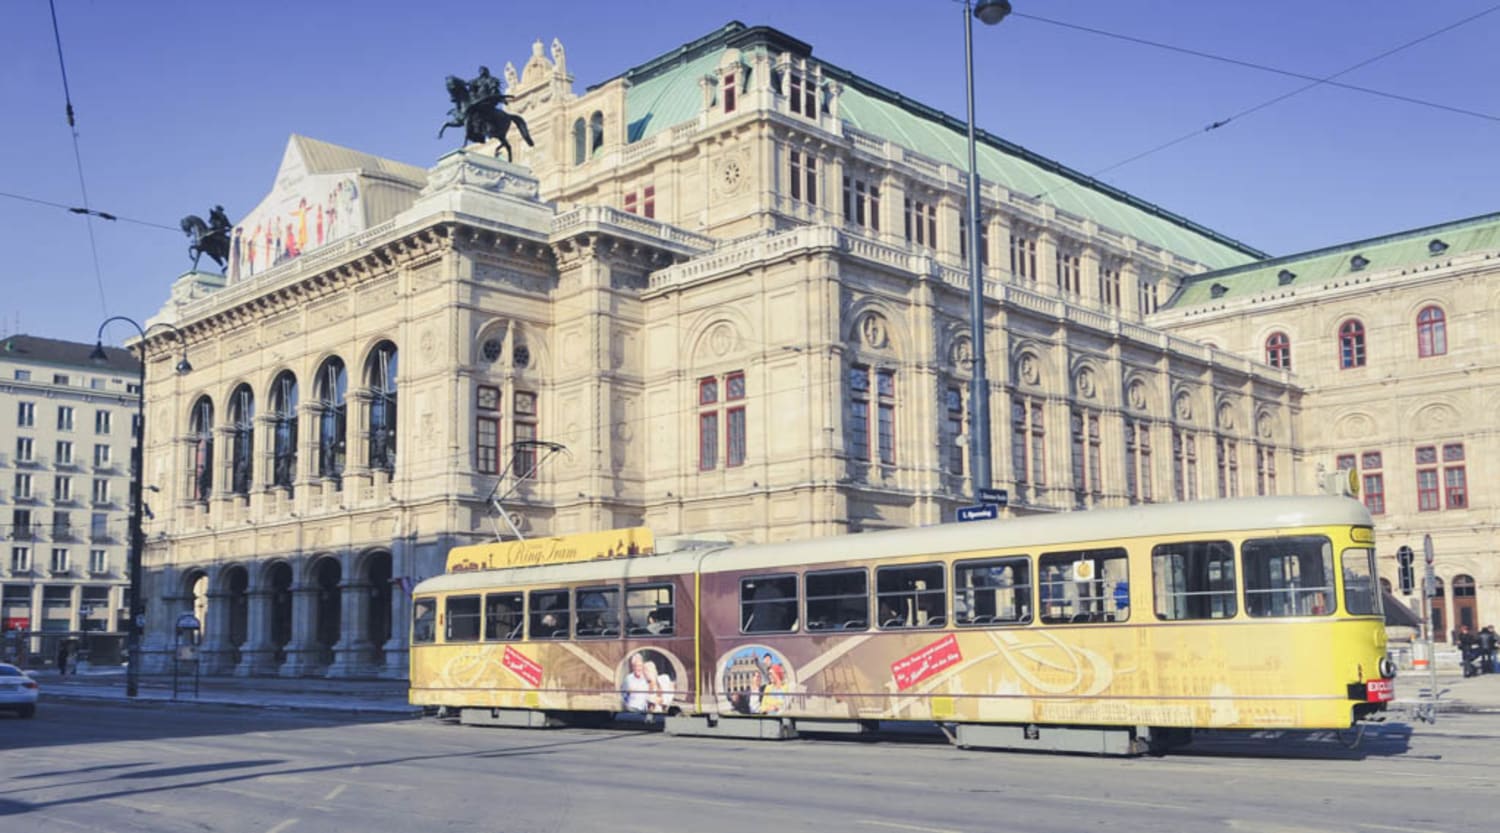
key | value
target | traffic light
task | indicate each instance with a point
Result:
(1407, 577)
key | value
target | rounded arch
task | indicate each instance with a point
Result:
(1185, 403)
(382, 365)
(241, 438)
(284, 401)
(596, 133)
(325, 574)
(374, 568)
(580, 141)
(234, 590)
(1087, 378)
(1351, 337)
(1278, 349)
(872, 326)
(276, 579)
(1227, 413)
(1031, 364)
(1138, 390)
(1432, 331)
(718, 336)
(1439, 610)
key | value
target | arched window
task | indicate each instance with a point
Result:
(1279, 351)
(1432, 332)
(1351, 344)
(201, 428)
(284, 430)
(241, 440)
(380, 379)
(580, 142)
(596, 133)
(332, 389)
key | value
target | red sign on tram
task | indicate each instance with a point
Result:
(914, 668)
(522, 666)
(1380, 691)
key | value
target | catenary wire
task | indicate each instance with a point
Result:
(78, 160)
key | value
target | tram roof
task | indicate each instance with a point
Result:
(1042, 532)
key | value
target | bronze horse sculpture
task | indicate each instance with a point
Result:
(477, 109)
(211, 238)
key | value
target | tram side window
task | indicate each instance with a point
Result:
(1194, 580)
(768, 604)
(598, 611)
(502, 617)
(549, 614)
(423, 618)
(649, 610)
(1290, 576)
(1084, 586)
(1361, 593)
(462, 615)
(911, 596)
(995, 591)
(838, 600)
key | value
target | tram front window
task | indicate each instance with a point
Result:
(1291, 576)
(1361, 593)
(423, 618)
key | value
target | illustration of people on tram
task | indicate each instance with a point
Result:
(756, 681)
(648, 686)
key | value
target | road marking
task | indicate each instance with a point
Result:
(1391, 827)
(899, 826)
(334, 793)
(284, 825)
(1119, 801)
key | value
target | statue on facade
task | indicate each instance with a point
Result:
(478, 107)
(210, 238)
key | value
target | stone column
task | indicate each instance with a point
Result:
(161, 611)
(351, 656)
(303, 657)
(217, 654)
(395, 648)
(258, 654)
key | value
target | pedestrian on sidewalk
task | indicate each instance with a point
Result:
(62, 658)
(1468, 650)
(1488, 644)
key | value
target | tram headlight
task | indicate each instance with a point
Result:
(1387, 668)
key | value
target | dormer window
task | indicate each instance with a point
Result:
(1218, 290)
(1436, 247)
(729, 92)
(1358, 262)
(1285, 277)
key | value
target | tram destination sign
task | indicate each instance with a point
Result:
(980, 512)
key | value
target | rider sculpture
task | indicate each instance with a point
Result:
(210, 238)
(478, 107)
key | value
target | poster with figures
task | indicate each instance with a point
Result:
(307, 209)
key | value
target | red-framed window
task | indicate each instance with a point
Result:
(1373, 479)
(872, 401)
(1279, 351)
(1427, 479)
(722, 399)
(734, 420)
(1351, 344)
(1432, 332)
(1455, 477)
(803, 181)
(730, 91)
(642, 202)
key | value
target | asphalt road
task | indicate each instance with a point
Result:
(136, 767)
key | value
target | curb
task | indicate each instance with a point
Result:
(141, 702)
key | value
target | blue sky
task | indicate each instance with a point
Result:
(181, 105)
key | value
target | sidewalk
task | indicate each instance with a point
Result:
(313, 693)
(1474, 695)
(1460, 695)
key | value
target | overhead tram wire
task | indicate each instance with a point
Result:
(78, 159)
(1286, 72)
(1316, 82)
(103, 215)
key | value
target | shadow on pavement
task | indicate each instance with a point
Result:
(1370, 741)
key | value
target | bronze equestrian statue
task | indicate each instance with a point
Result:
(210, 238)
(478, 109)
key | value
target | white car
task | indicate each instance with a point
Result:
(18, 692)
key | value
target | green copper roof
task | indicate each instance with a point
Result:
(1405, 250)
(665, 91)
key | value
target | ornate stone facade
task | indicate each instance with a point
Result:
(734, 297)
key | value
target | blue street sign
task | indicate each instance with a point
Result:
(982, 512)
(999, 497)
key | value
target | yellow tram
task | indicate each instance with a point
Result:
(1097, 631)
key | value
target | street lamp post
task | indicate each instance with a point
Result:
(989, 12)
(137, 472)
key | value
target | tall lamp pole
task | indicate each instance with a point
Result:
(989, 13)
(137, 473)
